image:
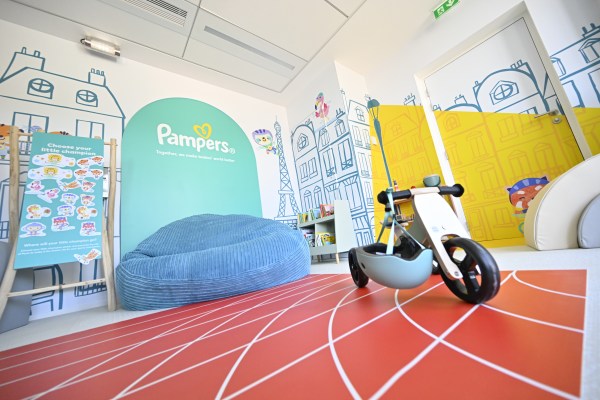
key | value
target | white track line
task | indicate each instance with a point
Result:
(195, 317)
(160, 352)
(515, 375)
(336, 360)
(537, 321)
(318, 349)
(249, 296)
(60, 385)
(254, 340)
(546, 290)
(334, 355)
(242, 346)
(125, 391)
(440, 339)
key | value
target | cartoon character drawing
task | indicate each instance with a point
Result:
(35, 211)
(81, 173)
(49, 195)
(66, 210)
(87, 186)
(35, 187)
(33, 229)
(86, 213)
(321, 108)
(264, 139)
(87, 200)
(83, 163)
(98, 160)
(86, 258)
(522, 192)
(88, 229)
(49, 172)
(60, 224)
(97, 173)
(69, 185)
(54, 159)
(4, 146)
(69, 198)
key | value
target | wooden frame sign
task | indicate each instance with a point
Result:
(61, 216)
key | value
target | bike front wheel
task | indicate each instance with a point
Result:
(481, 276)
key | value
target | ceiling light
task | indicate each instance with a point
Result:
(101, 46)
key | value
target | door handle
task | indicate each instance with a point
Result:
(553, 113)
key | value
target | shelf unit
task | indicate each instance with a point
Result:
(338, 224)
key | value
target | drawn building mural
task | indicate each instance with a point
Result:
(37, 100)
(578, 67)
(328, 167)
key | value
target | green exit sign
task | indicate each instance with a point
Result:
(444, 8)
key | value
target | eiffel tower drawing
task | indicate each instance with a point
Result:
(285, 187)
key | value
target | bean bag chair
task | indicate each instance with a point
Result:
(207, 257)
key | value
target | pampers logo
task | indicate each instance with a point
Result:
(202, 142)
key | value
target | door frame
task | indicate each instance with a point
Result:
(500, 23)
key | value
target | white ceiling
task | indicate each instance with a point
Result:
(257, 47)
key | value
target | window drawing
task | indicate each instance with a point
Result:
(312, 167)
(356, 136)
(363, 165)
(30, 123)
(503, 90)
(345, 154)
(40, 87)
(532, 110)
(329, 161)
(90, 129)
(302, 142)
(367, 138)
(87, 98)
(360, 115)
(323, 137)
(303, 172)
(590, 50)
(318, 198)
(340, 127)
(558, 66)
(368, 190)
(306, 199)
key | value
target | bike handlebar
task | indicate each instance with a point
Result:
(455, 190)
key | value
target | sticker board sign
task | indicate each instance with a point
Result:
(61, 215)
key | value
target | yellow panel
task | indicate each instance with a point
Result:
(409, 151)
(490, 152)
(589, 119)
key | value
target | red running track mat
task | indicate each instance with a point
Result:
(321, 337)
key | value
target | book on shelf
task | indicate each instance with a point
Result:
(326, 210)
(302, 218)
(309, 236)
(324, 239)
(315, 213)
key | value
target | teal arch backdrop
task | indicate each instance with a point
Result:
(182, 157)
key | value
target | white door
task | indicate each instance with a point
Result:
(502, 127)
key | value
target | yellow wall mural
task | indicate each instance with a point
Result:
(489, 153)
(409, 150)
(589, 120)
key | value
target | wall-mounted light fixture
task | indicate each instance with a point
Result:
(101, 46)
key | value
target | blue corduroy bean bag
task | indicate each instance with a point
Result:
(207, 257)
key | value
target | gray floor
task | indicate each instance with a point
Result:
(508, 258)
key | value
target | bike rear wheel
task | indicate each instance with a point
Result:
(481, 276)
